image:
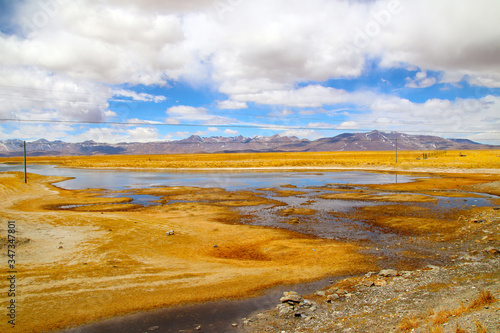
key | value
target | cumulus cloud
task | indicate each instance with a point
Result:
(421, 80)
(140, 96)
(231, 132)
(117, 134)
(189, 114)
(28, 93)
(64, 57)
(231, 105)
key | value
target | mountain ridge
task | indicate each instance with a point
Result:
(370, 141)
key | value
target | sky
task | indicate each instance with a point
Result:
(152, 70)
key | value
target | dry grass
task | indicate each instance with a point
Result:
(474, 159)
(407, 324)
(485, 298)
(480, 328)
(436, 320)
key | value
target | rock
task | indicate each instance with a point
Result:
(332, 297)
(405, 274)
(479, 221)
(320, 293)
(433, 267)
(388, 272)
(291, 297)
(369, 283)
(234, 324)
(153, 328)
(380, 283)
(492, 250)
(370, 274)
(215, 246)
(332, 290)
(286, 311)
(198, 328)
(170, 233)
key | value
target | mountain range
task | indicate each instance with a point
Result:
(371, 141)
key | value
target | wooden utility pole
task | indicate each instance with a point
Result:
(25, 178)
(396, 147)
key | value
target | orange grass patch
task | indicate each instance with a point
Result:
(474, 159)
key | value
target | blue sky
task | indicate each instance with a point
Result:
(113, 71)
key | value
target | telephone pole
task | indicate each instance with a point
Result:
(396, 147)
(25, 178)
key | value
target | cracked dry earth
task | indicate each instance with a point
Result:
(459, 297)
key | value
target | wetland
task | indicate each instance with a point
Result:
(94, 244)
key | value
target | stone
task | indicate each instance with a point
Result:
(286, 311)
(370, 274)
(380, 283)
(153, 328)
(492, 250)
(170, 233)
(388, 272)
(320, 293)
(291, 297)
(369, 283)
(434, 267)
(406, 274)
(332, 297)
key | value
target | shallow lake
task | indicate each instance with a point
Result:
(230, 180)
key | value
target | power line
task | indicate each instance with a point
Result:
(252, 126)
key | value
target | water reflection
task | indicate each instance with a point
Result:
(234, 180)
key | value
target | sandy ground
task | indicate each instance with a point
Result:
(104, 257)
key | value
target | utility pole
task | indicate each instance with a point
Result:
(25, 178)
(396, 147)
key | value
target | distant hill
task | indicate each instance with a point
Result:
(372, 141)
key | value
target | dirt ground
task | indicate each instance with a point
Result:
(81, 257)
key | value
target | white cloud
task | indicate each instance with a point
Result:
(140, 96)
(421, 81)
(31, 93)
(190, 113)
(456, 37)
(231, 132)
(231, 105)
(308, 134)
(117, 134)
(309, 96)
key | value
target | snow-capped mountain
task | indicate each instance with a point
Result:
(374, 141)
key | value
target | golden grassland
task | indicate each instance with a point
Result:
(78, 265)
(469, 159)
